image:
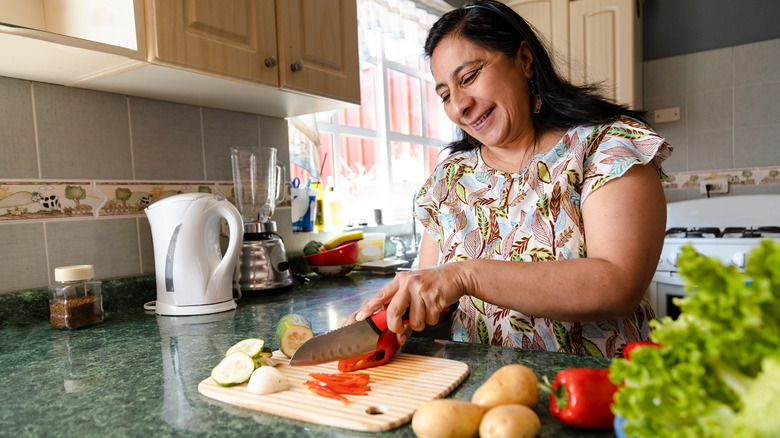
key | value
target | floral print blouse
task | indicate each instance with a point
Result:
(465, 207)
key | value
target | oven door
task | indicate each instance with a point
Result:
(664, 287)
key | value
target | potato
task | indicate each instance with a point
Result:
(510, 384)
(509, 421)
(447, 418)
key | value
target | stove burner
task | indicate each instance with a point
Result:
(701, 232)
(748, 232)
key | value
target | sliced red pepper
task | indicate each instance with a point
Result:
(348, 379)
(581, 397)
(329, 393)
(632, 345)
(340, 389)
(386, 347)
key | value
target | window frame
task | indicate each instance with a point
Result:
(382, 135)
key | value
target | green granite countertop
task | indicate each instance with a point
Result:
(136, 374)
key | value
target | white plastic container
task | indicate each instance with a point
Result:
(372, 248)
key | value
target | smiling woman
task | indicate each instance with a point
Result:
(546, 221)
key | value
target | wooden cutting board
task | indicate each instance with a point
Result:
(398, 388)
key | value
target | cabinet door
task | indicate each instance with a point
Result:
(226, 38)
(606, 37)
(550, 18)
(26, 13)
(318, 47)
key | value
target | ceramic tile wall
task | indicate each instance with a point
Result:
(77, 167)
(729, 101)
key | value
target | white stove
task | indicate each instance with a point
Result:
(727, 228)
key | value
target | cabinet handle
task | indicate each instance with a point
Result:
(270, 61)
(297, 66)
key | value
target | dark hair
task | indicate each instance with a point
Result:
(494, 26)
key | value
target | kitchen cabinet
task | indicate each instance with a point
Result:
(273, 57)
(593, 42)
(231, 38)
(318, 47)
(51, 41)
(110, 22)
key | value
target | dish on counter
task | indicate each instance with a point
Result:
(383, 267)
(333, 270)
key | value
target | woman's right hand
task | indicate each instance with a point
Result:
(426, 292)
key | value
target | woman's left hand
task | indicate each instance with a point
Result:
(426, 292)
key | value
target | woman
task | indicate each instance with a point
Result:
(547, 220)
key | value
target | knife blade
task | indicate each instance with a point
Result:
(352, 340)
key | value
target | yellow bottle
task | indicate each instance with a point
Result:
(333, 217)
(319, 219)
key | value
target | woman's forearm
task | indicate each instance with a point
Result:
(585, 289)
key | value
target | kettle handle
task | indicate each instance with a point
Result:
(236, 228)
(280, 176)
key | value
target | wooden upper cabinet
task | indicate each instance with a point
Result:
(593, 42)
(550, 18)
(318, 47)
(228, 38)
(229, 54)
(606, 39)
(307, 46)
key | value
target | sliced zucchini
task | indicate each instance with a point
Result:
(292, 331)
(253, 347)
(267, 351)
(234, 369)
(262, 361)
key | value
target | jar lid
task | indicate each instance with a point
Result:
(74, 273)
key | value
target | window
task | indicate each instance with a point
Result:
(377, 156)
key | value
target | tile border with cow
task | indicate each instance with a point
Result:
(20, 200)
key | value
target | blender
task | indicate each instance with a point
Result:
(257, 185)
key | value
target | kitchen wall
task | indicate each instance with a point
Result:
(674, 27)
(729, 100)
(52, 137)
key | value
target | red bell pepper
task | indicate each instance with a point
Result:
(632, 345)
(338, 388)
(335, 386)
(329, 393)
(346, 379)
(581, 397)
(386, 347)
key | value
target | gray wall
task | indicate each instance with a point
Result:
(729, 100)
(677, 27)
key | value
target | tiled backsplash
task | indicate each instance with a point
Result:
(78, 166)
(729, 102)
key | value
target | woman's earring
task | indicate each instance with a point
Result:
(537, 98)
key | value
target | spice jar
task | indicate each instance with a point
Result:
(75, 299)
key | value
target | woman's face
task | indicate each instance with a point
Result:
(484, 92)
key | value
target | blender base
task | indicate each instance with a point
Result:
(263, 263)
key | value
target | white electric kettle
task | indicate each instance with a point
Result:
(193, 278)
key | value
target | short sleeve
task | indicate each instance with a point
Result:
(615, 148)
(426, 208)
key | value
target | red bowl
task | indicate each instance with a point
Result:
(341, 255)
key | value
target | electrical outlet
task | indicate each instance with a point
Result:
(667, 115)
(717, 185)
